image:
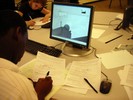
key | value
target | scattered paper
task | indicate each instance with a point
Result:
(120, 16)
(96, 33)
(39, 23)
(90, 69)
(27, 69)
(126, 77)
(115, 59)
(129, 91)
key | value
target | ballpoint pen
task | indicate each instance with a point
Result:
(113, 39)
(47, 73)
(90, 85)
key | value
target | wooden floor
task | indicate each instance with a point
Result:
(115, 6)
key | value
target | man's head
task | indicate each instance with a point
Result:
(37, 4)
(13, 35)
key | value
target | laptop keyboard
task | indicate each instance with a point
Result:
(33, 47)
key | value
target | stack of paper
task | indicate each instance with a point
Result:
(126, 77)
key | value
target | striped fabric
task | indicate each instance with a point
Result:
(14, 86)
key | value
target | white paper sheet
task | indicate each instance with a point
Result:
(129, 90)
(45, 63)
(38, 21)
(120, 16)
(90, 69)
(115, 59)
(96, 33)
(27, 69)
(127, 78)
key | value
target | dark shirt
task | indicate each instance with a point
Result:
(27, 11)
(7, 4)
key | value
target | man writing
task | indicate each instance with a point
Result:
(13, 37)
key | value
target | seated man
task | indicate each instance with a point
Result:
(14, 86)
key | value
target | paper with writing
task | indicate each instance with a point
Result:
(55, 66)
(90, 69)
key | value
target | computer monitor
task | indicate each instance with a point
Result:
(72, 23)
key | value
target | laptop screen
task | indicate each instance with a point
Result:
(71, 23)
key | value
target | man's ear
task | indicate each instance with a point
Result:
(17, 33)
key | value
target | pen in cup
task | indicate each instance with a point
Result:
(90, 85)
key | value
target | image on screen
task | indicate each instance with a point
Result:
(71, 23)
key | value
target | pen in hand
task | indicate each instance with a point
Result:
(30, 16)
(47, 74)
(90, 85)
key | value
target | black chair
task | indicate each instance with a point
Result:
(128, 17)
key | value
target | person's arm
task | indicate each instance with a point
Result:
(19, 12)
(24, 9)
(47, 14)
(28, 23)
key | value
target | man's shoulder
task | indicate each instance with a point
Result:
(15, 86)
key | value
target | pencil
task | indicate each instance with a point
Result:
(90, 85)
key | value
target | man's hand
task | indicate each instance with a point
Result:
(30, 23)
(43, 87)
